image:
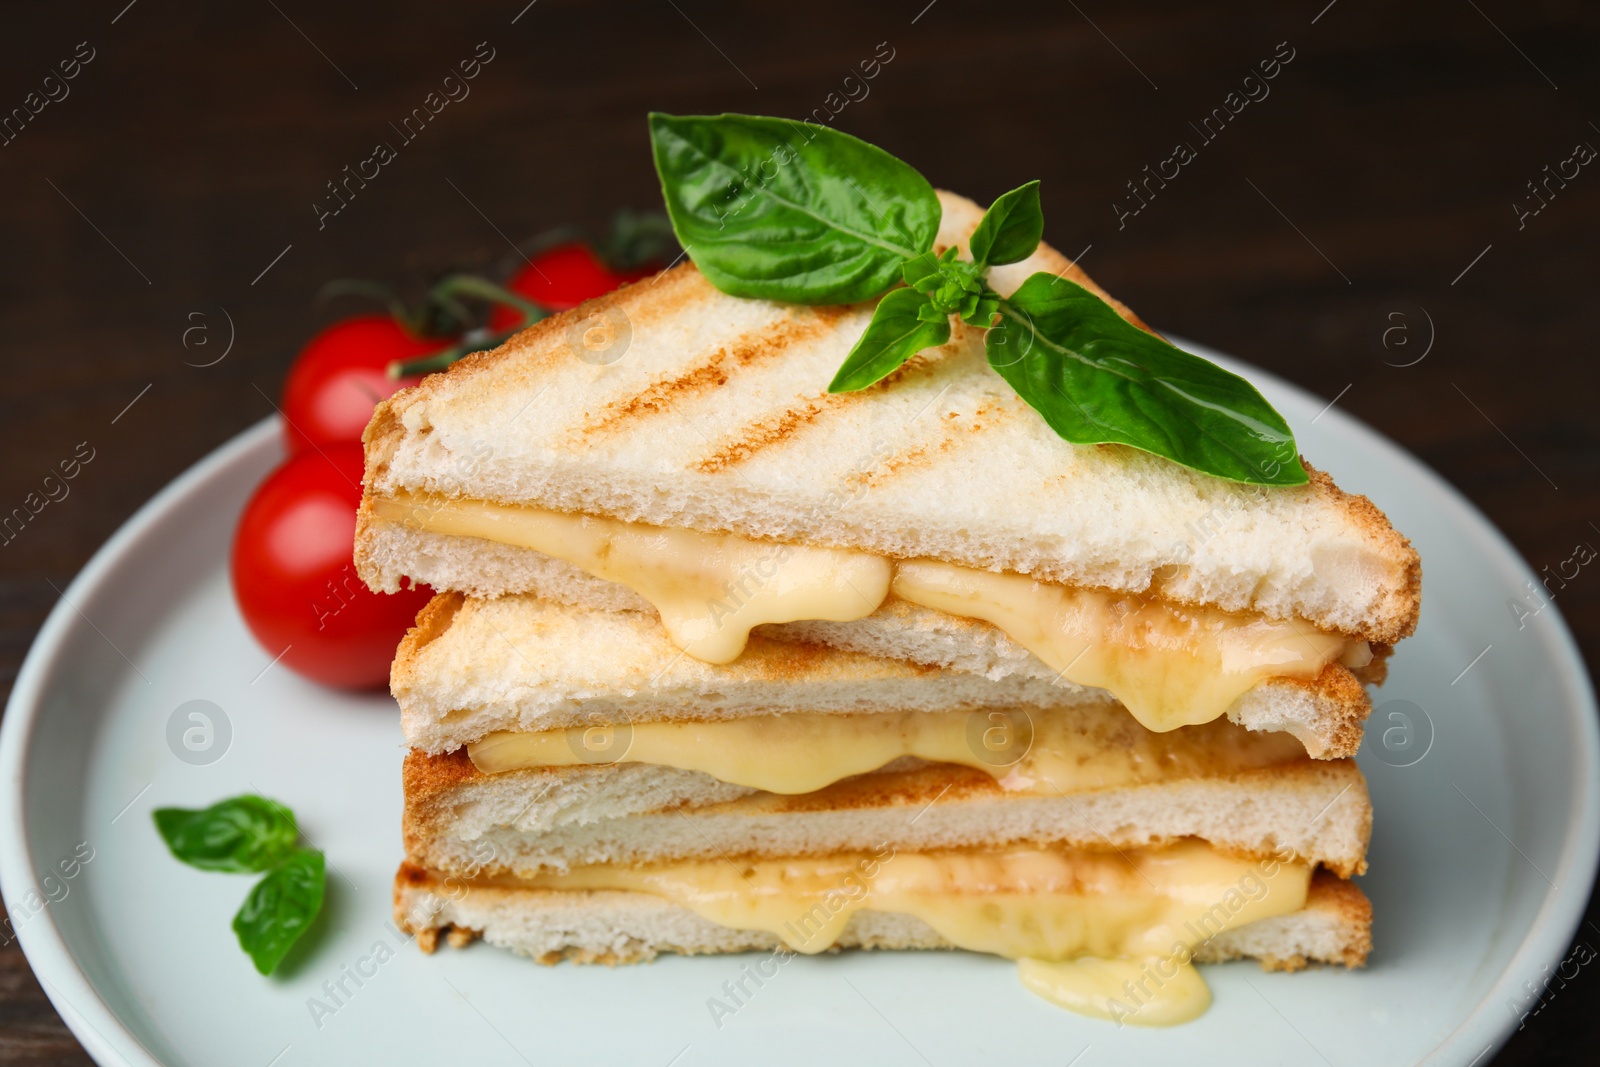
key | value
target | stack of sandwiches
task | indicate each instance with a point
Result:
(721, 662)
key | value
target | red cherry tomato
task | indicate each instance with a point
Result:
(340, 376)
(562, 277)
(295, 579)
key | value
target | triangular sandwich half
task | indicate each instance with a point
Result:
(673, 448)
(472, 667)
(1106, 895)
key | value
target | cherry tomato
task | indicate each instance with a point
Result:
(340, 376)
(560, 278)
(295, 579)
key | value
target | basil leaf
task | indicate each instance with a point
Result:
(1095, 378)
(783, 210)
(281, 908)
(983, 312)
(245, 833)
(895, 334)
(1011, 229)
(922, 272)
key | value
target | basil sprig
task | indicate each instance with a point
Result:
(780, 210)
(251, 834)
(945, 285)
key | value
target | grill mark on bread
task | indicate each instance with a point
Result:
(658, 396)
(766, 432)
(710, 372)
(775, 429)
(920, 456)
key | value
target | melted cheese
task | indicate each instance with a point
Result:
(1141, 911)
(1040, 752)
(1169, 664)
(1101, 988)
(710, 589)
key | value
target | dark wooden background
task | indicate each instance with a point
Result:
(191, 148)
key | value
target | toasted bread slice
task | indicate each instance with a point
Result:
(462, 822)
(611, 926)
(711, 413)
(473, 666)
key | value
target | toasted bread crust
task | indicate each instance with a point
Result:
(1402, 606)
(1345, 707)
(433, 621)
(1346, 900)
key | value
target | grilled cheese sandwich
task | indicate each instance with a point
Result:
(557, 862)
(1171, 665)
(723, 661)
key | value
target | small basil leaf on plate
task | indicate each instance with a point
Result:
(245, 833)
(1095, 377)
(281, 908)
(896, 333)
(783, 210)
(1011, 229)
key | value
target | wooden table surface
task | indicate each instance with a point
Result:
(1371, 198)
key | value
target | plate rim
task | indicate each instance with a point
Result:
(65, 984)
(111, 1042)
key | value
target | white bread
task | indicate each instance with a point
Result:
(461, 822)
(714, 416)
(472, 666)
(609, 926)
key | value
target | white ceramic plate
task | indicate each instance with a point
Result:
(1482, 856)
